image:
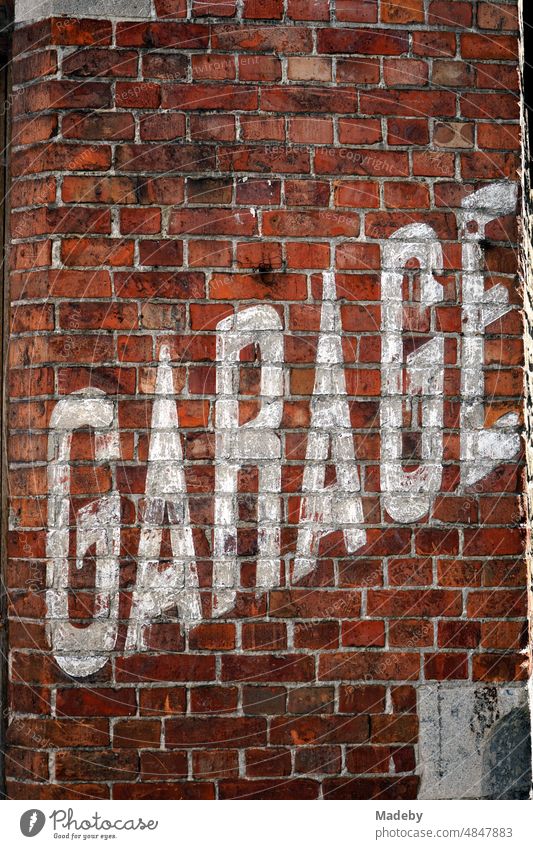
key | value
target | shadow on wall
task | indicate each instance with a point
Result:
(507, 757)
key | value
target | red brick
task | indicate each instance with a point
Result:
(313, 130)
(137, 734)
(399, 603)
(200, 97)
(80, 31)
(58, 733)
(186, 790)
(219, 222)
(209, 253)
(139, 669)
(383, 42)
(68, 157)
(268, 286)
(447, 665)
(268, 39)
(215, 732)
(163, 765)
(268, 762)
(89, 189)
(99, 766)
(406, 195)
(456, 14)
(307, 99)
(213, 66)
(96, 62)
(497, 17)
(62, 94)
(266, 668)
(316, 635)
(459, 634)
(499, 667)
(305, 700)
(385, 666)
(324, 223)
(309, 10)
(503, 635)
(268, 9)
(318, 760)
(213, 635)
(34, 129)
(408, 72)
(356, 70)
(162, 701)
(34, 65)
(274, 789)
(404, 103)
(489, 46)
(167, 158)
(77, 701)
(393, 12)
(493, 541)
(358, 131)
(436, 44)
(394, 729)
(303, 604)
(264, 636)
(491, 604)
(319, 729)
(162, 127)
(266, 701)
(370, 633)
(163, 34)
(212, 764)
(260, 67)
(164, 66)
(161, 252)
(410, 632)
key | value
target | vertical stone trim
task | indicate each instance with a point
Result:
(527, 278)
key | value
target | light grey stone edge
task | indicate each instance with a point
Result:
(37, 10)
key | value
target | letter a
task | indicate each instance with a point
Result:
(156, 590)
(324, 509)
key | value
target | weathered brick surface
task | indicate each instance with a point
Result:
(168, 174)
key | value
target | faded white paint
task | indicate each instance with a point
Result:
(409, 495)
(339, 506)
(157, 589)
(253, 443)
(82, 651)
(482, 449)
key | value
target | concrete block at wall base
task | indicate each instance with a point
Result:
(475, 741)
(36, 10)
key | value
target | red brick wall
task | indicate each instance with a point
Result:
(166, 175)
